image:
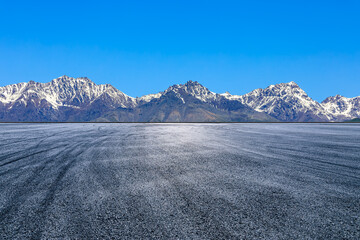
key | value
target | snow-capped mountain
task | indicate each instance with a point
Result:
(189, 102)
(48, 101)
(342, 108)
(285, 102)
(63, 92)
(192, 88)
(80, 99)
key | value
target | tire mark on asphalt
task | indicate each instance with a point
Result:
(289, 152)
(82, 146)
(30, 155)
(280, 159)
(23, 192)
(50, 195)
(31, 148)
(19, 165)
(20, 141)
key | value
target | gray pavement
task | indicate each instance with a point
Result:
(180, 181)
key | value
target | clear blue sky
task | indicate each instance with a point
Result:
(142, 47)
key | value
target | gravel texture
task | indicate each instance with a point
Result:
(180, 181)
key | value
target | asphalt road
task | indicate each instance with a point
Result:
(180, 181)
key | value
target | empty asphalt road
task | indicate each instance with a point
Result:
(179, 181)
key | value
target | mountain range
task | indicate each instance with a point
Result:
(67, 99)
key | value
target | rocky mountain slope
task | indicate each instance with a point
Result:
(80, 99)
(59, 100)
(285, 102)
(189, 102)
(342, 108)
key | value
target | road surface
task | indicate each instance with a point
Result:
(180, 181)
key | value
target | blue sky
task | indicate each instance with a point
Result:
(142, 47)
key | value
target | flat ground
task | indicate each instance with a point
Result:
(186, 181)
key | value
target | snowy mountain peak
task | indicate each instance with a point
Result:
(333, 98)
(285, 101)
(194, 89)
(342, 108)
(292, 83)
(69, 80)
(283, 90)
(63, 92)
(289, 85)
(192, 83)
(63, 78)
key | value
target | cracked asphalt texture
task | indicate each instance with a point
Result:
(179, 181)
